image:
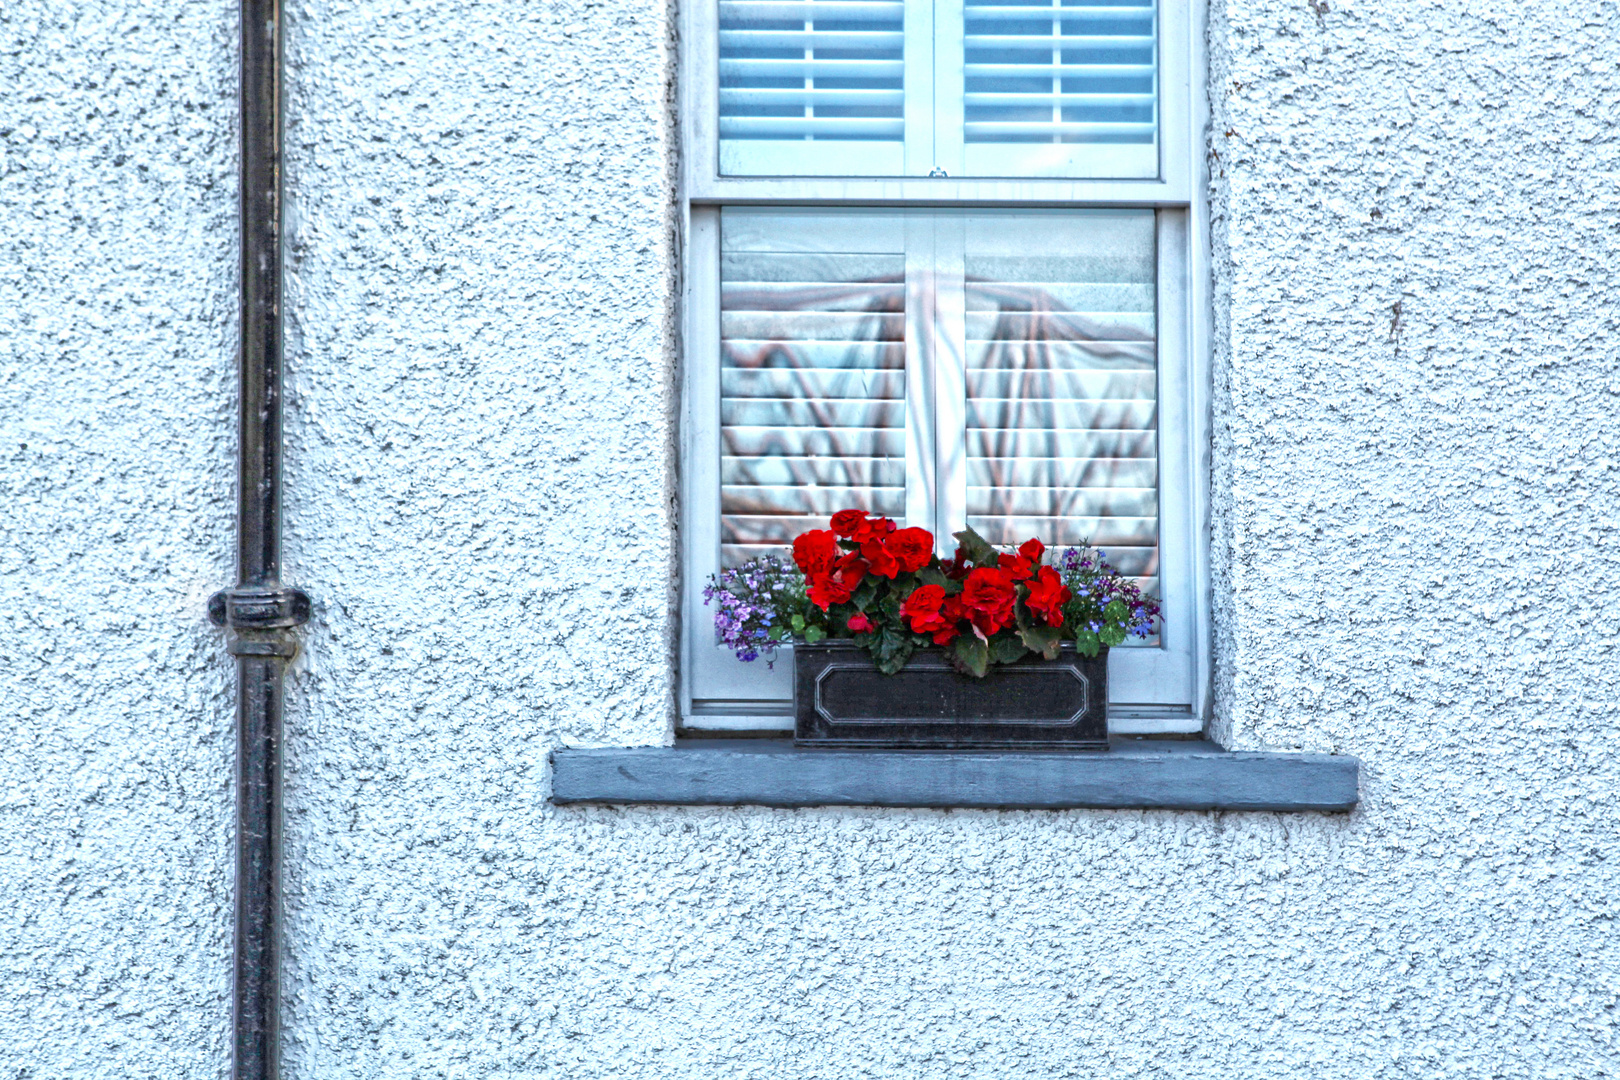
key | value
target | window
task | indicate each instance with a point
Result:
(941, 263)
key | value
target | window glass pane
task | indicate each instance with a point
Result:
(812, 87)
(1061, 381)
(813, 372)
(1060, 88)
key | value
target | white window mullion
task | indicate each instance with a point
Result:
(948, 87)
(921, 475)
(948, 359)
(919, 82)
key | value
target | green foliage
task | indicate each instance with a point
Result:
(976, 548)
(970, 655)
(1004, 650)
(767, 602)
(1087, 643)
(1046, 640)
(890, 648)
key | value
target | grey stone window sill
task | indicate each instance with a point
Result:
(1134, 774)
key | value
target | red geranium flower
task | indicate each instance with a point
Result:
(911, 548)
(921, 608)
(872, 528)
(845, 522)
(1016, 566)
(837, 585)
(815, 551)
(953, 615)
(1047, 595)
(988, 598)
(930, 611)
(859, 623)
(1032, 550)
(883, 563)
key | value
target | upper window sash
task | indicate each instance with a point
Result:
(839, 127)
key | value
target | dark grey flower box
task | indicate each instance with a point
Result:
(841, 699)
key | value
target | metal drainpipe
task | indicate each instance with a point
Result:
(259, 610)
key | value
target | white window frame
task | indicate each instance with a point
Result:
(1184, 374)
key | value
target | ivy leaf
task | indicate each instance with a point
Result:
(972, 656)
(1046, 640)
(1086, 642)
(1112, 635)
(813, 634)
(976, 547)
(1007, 649)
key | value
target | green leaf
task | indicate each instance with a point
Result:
(813, 634)
(864, 592)
(798, 624)
(1007, 649)
(886, 641)
(896, 660)
(932, 575)
(778, 633)
(1112, 635)
(1046, 640)
(1087, 643)
(1115, 611)
(976, 547)
(972, 656)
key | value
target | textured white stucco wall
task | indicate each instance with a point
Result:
(117, 330)
(1415, 544)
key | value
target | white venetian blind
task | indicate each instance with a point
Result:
(813, 372)
(1060, 87)
(1061, 382)
(812, 87)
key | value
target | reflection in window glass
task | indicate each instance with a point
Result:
(1061, 382)
(813, 373)
(1035, 344)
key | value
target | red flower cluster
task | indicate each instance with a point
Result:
(870, 545)
(982, 599)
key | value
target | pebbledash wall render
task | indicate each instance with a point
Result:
(1416, 497)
